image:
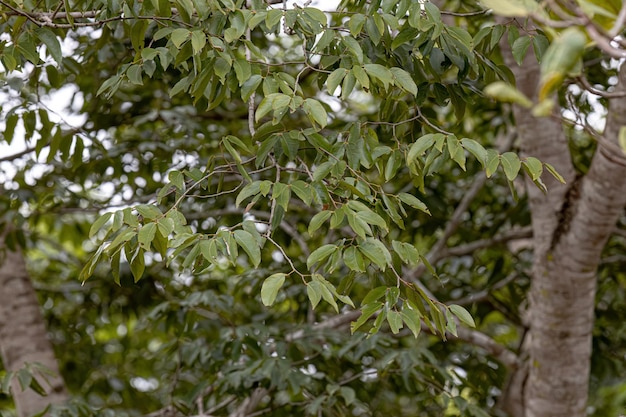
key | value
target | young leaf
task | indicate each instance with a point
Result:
(270, 287)
(505, 92)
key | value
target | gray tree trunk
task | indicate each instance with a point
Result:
(23, 335)
(571, 224)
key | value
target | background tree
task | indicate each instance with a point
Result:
(233, 155)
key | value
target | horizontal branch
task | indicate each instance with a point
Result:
(484, 294)
(17, 155)
(468, 248)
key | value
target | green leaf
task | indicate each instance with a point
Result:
(492, 162)
(407, 252)
(457, 153)
(249, 244)
(533, 167)
(327, 290)
(270, 287)
(314, 292)
(462, 314)
(562, 57)
(511, 8)
(320, 254)
(353, 47)
(520, 46)
(315, 111)
(505, 92)
(198, 41)
(404, 80)
(554, 172)
(318, 220)
(383, 74)
(52, 43)
(303, 191)
(395, 321)
(138, 264)
(511, 164)
(134, 74)
(148, 211)
(374, 295)
(355, 25)
(180, 36)
(146, 235)
(9, 127)
(412, 319)
(334, 79)
(421, 145)
(375, 251)
(367, 311)
(475, 149)
(250, 86)
(249, 190)
(97, 225)
(413, 201)
(353, 259)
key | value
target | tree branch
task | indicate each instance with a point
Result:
(468, 248)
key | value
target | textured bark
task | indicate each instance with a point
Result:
(23, 335)
(571, 225)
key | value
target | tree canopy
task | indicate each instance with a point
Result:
(266, 208)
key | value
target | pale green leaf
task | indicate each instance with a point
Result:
(413, 201)
(270, 287)
(314, 292)
(511, 8)
(395, 321)
(198, 41)
(492, 162)
(180, 36)
(146, 235)
(554, 172)
(475, 149)
(533, 167)
(511, 164)
(505, 92)
(462, 314)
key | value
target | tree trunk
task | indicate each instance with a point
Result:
(23, 335)
(571, 224)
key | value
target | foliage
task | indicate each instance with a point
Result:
(236, 156)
